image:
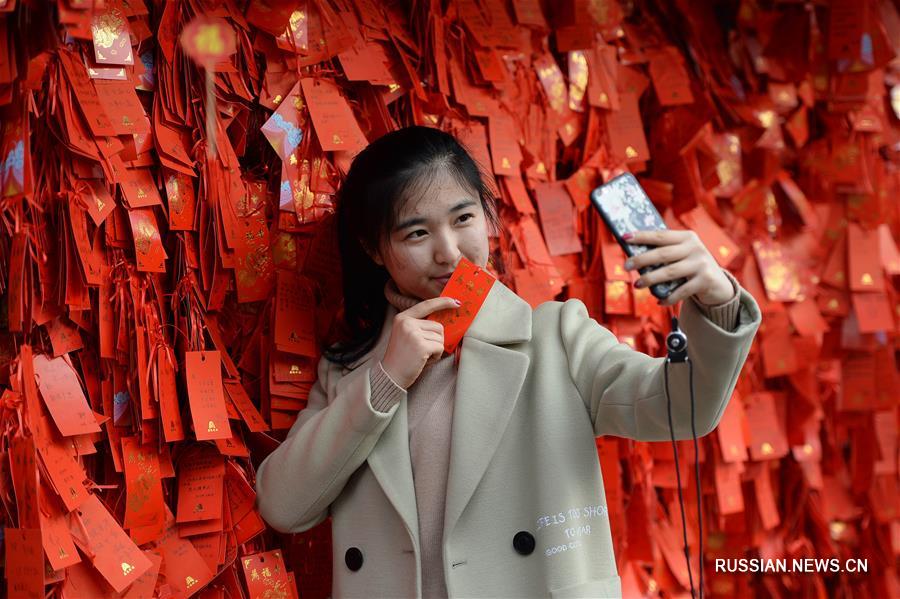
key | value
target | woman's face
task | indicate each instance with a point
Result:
(437, 227)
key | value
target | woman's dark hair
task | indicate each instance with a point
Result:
(381, 178)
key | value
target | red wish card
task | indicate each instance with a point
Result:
(469, 284)
(768, 440)
(99, 201)
(64, 397)
(24, 563)
(265, 574)
(121, 104)
(58, 544)
(294, 311)
(890, 256)
(182, 200)
(336, 127)
(115, 556)
(66, 475)
(144, 503)
(203, 373)
(146, 583)
(626, 131)
(557, 215)
(245, 407)
(23, 470)
(720, 245)
(149, 251)
(670, 78)
(183, 567)
(864, 259)
(505, 152)
(138, 188)
(201, 477)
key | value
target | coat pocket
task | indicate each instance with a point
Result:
(599, 587)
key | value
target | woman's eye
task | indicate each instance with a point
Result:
(412, 235)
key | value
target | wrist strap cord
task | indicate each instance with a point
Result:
(676, 347)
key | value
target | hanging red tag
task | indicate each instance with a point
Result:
(115, 556)
(203, 375)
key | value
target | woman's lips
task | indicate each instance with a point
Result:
(443, 280)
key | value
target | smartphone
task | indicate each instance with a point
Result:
(624, 207)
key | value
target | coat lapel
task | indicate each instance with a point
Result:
(487, 386)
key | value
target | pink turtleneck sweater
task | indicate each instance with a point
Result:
(430, 415)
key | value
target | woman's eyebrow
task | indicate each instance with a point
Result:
(419, 220)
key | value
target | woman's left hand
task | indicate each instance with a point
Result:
(684, 256)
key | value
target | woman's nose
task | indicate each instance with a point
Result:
(447, 250)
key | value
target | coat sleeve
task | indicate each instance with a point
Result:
(328, 442)
(625, 391)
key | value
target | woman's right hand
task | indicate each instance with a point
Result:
(415, 341)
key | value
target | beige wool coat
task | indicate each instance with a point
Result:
(526, 509)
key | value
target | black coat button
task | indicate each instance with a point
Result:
(353, 558)
(523, 542)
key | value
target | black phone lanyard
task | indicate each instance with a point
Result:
(676, 348)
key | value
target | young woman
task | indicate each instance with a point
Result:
(480, 479)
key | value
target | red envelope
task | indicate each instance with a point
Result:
(779, 271)
(265, 574)
(469, 284)
(552, 80)
(112, 36)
